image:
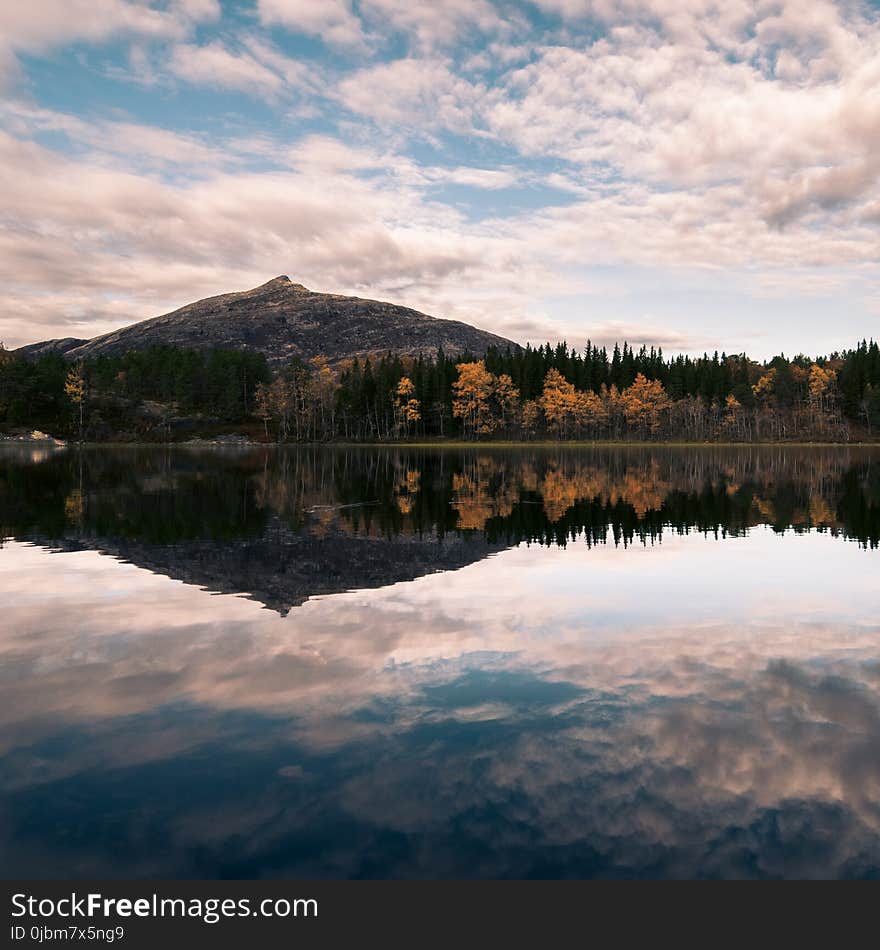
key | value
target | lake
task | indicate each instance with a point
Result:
(431, 663)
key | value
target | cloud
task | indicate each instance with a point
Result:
(428, 26)
(98, 239)
(597, 737)
(38, 27)
(435, 24)
(600, 332)
(333, 21)
(687, 145)
(326, 153)
(703, 94)
(84, 242)
(412, 92)
(216, 66)
(133, 142)
(735, 139)
(824, 189)
(488, 178)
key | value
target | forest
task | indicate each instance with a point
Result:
(544, 393)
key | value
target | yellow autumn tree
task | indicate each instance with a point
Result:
(506, 400)
(472, 398)
(531, 417)
(592, 411)
(560, 402)
(644, 403)
(763, 388)
(612, 403)
(821, 386)
(75, 390)
(322, 392)
(407, 408)
(275, 400)
(732, 416)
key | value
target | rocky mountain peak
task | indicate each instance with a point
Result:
(283, 283)
(284, 320)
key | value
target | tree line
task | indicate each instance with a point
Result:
(553, 392)
(144, 394)
(560, 393)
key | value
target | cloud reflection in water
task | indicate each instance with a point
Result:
(698, 707)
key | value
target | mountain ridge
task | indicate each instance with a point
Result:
(284, 320)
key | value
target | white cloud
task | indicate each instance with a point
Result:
(600, 332)
(328, 155)
(695, 112)
(488, 178)
(39, 27)
(416, 92)
(254, 66)
(216, 66)
(132, 142)
(435, 24)
(332, 20)
(199, 11)
(739, 138)
(78, 232)
(88, 245)
(428, 25)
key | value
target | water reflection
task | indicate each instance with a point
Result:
(283, 526)
(699, 706)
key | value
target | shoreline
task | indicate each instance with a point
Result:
(451, 444)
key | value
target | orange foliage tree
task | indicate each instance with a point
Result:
(644, 404)
(75, 390)
(531, 417)
(472, 398)
(408, 409)
(506, 402)
(560, 402)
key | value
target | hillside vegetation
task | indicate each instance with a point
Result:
(171, 393)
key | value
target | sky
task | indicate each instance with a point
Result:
(691, 174)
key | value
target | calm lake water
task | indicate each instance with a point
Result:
(452, 663)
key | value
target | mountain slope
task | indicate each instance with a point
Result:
(283, 320)
(48, 347)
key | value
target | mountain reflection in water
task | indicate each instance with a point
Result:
(634, 662)
(282, 526)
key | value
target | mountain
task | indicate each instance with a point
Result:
(206, 517)
(283, 320)
(282, 568)
(34, 351)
